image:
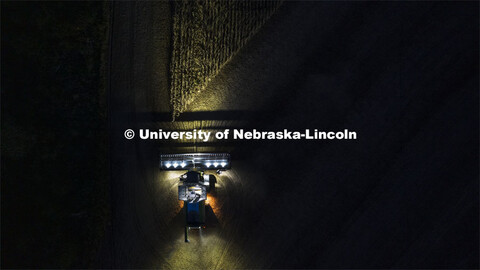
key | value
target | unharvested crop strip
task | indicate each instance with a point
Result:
(206, 35)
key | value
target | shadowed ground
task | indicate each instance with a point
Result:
(404, 75)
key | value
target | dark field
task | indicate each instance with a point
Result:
(405, 194)
(55, 204)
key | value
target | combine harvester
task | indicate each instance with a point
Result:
(195, 183)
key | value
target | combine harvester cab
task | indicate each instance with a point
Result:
(195, 183)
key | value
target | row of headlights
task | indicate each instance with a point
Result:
(176, 164)
(216, 164)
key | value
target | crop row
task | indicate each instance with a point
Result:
(206, 35)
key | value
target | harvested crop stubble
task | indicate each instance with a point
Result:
(206, 35)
